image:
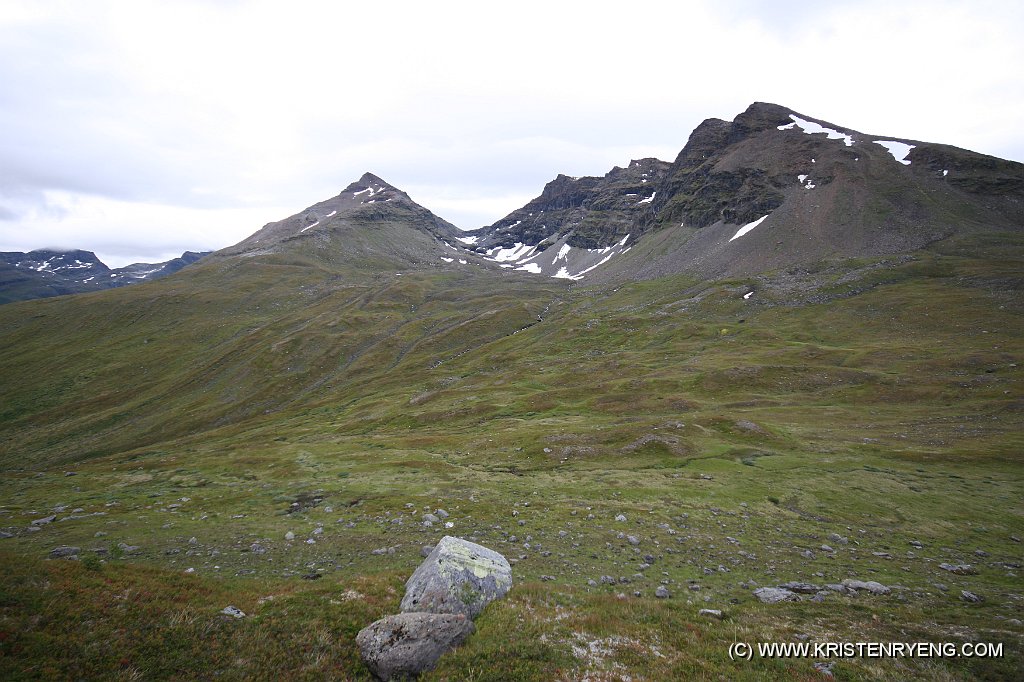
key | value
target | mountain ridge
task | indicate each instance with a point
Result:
(51, 272)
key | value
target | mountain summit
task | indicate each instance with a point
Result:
(771, 189)
(352, 225)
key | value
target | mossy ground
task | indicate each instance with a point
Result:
(736, 435)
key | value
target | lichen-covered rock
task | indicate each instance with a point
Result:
(407, 644)
(457, 577)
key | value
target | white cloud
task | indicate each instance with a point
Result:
(210, 107)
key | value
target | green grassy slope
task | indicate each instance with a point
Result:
(207, 412)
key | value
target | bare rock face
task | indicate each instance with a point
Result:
(407, 644)
(458, 577)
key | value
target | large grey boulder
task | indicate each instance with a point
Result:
(457, 577)
(407, 644)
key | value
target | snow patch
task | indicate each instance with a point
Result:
(562, 253)
(748, 227)
(563, 273)
(447, 260)
(517, 252)
(468, 240)
(331, 213)
(309, 226)
(899, 150)
(748, 295)
(647, 200)
(805, 182)
(530, 267)
(812, 128)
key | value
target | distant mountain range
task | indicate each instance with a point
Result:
(44, 273)
(772, 189)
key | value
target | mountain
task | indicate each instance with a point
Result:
(43, 273)
(770, 190)
(809, 384)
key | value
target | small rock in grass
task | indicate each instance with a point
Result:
(65, 552)
(45, 520)
(825, 668)
(233, 611)
(959, 569)
(711, 613)
(620, 517)
(802, 588)
(774, 595)
(970, 597)
(289, 536)
(868, 586)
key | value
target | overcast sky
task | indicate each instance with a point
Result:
(141, 129)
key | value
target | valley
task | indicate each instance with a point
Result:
(268, 429)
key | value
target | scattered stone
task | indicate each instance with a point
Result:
(970, 597)
(1015, 538)
(774, 595)
(802, 588)
(591, 582)
(608, 580)
(128, 549)
(442, 514)
(257, 548)
(457, 577)
(408, 644)
(65, 552)
(807, 554)
(868, 586)
(430, 518)
(826, 548)
(662, 592)
(980, 552)
(837, 538)
(959, 569)
(547, 578)
(711, 613)
(45, 520)
(620, 517)
(916, 543)
(825, 668)
(233, 611)
(289, 536)
(312, 576)
(633, 540)
(425, 550)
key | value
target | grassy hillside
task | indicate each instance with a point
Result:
(856, 420)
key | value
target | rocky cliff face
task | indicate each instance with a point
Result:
(589, 212)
